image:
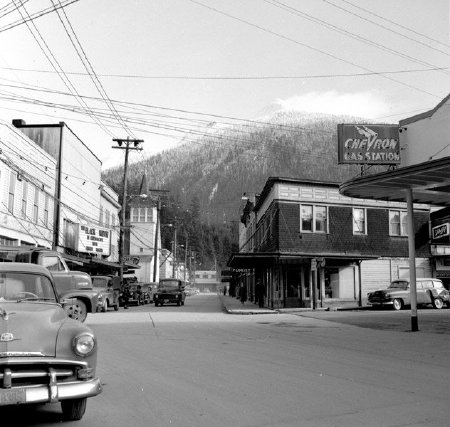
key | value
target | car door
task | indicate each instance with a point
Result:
(423, 296)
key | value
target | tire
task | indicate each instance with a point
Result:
(116, 307)
(178, 303)
(182, 302)
(77, 310)
(437, 303)
(397, 304)
(105, 307)
(73, 409)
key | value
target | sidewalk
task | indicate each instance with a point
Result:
(233, 305)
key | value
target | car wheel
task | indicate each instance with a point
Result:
(116, 307)
(437, 303)
(178, 303)
(397, 304)
(73, 409)
(182, 302)
(105, 307)
(77, 310)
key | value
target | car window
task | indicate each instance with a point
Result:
(438, 285)
(53, 263)
(15, 286)
(426, 284)
(399, 284)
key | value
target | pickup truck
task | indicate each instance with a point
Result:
(75, 287)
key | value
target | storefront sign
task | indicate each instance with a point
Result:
(368, 144)
(93, 239)
(441, 231)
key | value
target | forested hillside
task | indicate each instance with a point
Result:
(207, 177)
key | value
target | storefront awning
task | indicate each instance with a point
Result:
(429, 182)
(75, 259)
(105, 263)
(244, 260)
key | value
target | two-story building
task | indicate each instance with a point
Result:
(81, 211)
(313, 247)
(422, 177)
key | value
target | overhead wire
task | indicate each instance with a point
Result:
(347, 33)
(394, 23)
(321, 51)
(34, 16)
(56, 65)
(67, 25)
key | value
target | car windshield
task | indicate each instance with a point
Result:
(169, 284)
(401, 284)
(16, 286)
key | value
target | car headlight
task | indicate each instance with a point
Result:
(83, 344)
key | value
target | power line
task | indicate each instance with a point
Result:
(221, 78)
(396, 24)
(55, 64)
(88, 66)
(318, 21)
(33, 16)
(266, 30)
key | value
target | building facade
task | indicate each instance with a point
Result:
(84, 210)
(27, 189)
(142, 233)
(313, 247)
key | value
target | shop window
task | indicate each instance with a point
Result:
(359, 221)
(398, 224)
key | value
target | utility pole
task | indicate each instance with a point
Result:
(124, 144)
(174, 252)
(155, 255)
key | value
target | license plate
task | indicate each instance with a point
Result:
(12, 396)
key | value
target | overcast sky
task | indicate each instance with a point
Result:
(167, 70)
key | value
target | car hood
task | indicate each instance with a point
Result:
(30, 329)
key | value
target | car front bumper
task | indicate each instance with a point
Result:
(51, 393)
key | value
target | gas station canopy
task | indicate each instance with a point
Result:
(428, 181)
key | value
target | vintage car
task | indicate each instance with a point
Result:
(169, 291)
(108, 288)
(45, 356)
(428, 291)
(135, 293)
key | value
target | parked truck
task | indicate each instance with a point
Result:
(75, 287)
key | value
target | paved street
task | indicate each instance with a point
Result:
(197, 365)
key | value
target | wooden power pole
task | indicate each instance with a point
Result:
(127, 145)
